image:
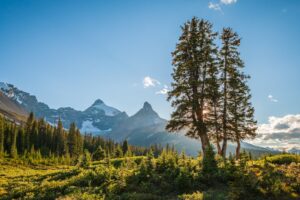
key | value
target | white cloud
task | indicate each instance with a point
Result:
(227, 2)
(214, 6)
(150, 82)
(164, 90)
(218, 7)
(271, 98)
(280, 133)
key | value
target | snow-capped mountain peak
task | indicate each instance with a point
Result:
(98, 102)
(100, 105)
(4, 86)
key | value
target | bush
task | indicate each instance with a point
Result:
(85, 159)
(209, 162)
(283, 159)
(194, 196)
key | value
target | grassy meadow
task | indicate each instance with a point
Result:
(170, 176)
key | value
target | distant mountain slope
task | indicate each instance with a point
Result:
(98, 118)
(11, 109)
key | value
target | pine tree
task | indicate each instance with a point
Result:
(21, 140)
(13, 147)
(99, 154)
(230, 63)
(73, 141)
(61, 140)
(34, 137)
(125, 147)
(192, 59)
(242, 121)
(28, 129)
(214, 104)
(79, 142)
(118, 152)
(237, 112)
(85, 159)
(209, 162)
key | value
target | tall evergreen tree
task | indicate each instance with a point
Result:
(213, 111)
(192, 59)
(28, 129)
(61, 140)
(125, 147)
(21, 139)
(241, 111)
(13, 146)
(79, 142)
(74, 141)
(230, 64)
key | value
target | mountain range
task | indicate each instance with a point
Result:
(144, 128)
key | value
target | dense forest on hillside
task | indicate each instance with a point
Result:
(38, 141)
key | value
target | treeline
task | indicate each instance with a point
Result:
(209, 91)
(38, 139)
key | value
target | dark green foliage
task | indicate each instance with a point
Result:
(74, 141)
(37, 141)
(60, 138)
(193, 59)
(85, 159)
(167, 177)
(118, 152)
(13, 146)
(99, 154)
(209, 91)
(282, 159)
(125, 147)
(209, 163)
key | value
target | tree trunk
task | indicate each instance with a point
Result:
(238, 149)
(219, 148)
(205, 142)
(224, 146)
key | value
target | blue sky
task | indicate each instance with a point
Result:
(70, 52)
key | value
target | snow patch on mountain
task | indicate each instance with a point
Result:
(88, 127)
(4, 86)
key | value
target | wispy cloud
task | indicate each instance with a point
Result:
(280, 133)
(150, 82)
(218, 6)
(227, 2)
(271, 98)
(214, 6)
(164, 90)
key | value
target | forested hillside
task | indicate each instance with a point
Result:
(36, 141)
